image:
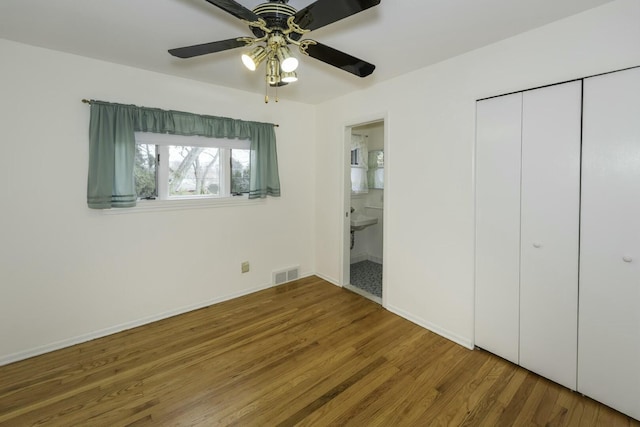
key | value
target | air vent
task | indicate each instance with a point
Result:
(286, 275)
(279, 278)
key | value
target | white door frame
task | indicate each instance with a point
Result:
(345, 255)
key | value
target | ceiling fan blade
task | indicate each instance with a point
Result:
(341, 60)
(205, 48)
(325, 12)
(235, 9)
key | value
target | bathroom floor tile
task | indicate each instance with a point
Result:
(367, 275)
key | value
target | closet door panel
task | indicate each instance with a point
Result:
(609, 324)
(551, 128)
(498, 150)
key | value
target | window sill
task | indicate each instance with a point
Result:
(184, 204)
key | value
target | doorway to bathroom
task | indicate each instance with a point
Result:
(365, 174)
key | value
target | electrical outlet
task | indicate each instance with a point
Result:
(245, 266)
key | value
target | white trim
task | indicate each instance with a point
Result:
(36, 351)
(465, 342)
(183, 204)
(15, 357)
(387, 191)
(162, 172)
(365, 257)
(474, 215)
(374, 258)
(331, 280)
(359, 258)
(225, 166)
(345, 221)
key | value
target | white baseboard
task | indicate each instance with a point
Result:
(358, 258)
(373, 258)
(15, 357)
(365, 257)
(21, 355)
(465, 342)
(328, 279)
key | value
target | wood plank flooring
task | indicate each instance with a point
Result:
(305, 353)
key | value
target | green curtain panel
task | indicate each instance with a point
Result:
(112, 148)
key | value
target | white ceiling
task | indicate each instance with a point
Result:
(398, 36)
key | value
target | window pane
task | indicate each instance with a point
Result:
(354, 157)
(379, 159)
(145, 171)
(194, 171)
(240, 171)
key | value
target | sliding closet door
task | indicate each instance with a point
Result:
(550, 214)
(609, 325)
(498, 148)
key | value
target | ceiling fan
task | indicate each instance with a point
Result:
(275, 25)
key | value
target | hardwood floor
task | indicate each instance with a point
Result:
(305, 353)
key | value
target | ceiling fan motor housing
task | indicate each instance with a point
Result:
(275, 13)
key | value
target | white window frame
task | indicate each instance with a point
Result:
(166, 202)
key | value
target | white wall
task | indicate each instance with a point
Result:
(429, 264)
(68, 273)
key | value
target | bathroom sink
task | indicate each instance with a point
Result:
(360, 222)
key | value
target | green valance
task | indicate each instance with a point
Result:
(112, 148)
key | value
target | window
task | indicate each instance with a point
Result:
(375, 173)
(240, 171)
(171, 167)
(359, 165)
(355, 153)
(144, 170)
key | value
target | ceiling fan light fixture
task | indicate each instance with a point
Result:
(276, 25)
(289, 77)
(288, 63)
(253, 59)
